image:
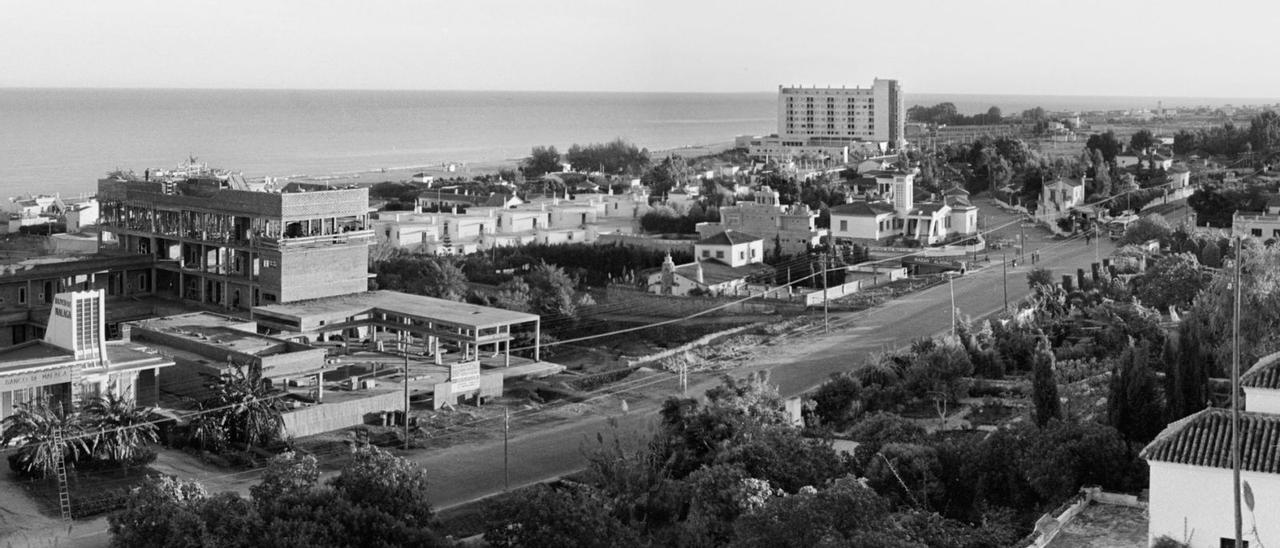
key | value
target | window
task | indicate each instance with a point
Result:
(719, 254)
(1257, 232)
(844, 226)
(22, 295)
(269, 297)
(742, 255)
(706, 254)
(948, 222)
(270, 263)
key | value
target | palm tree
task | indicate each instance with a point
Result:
(123, 429)
(36, 425)
(244, 407)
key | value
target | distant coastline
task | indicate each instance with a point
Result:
(63, 140)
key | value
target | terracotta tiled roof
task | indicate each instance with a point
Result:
(729, 237)
(1264, 374)
(1204, 439)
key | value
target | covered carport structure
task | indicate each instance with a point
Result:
(411, 318)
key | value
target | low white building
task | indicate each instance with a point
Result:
(1259, 224)
(731, 247)
(1191, 484)
(721, 265)
(897, 213)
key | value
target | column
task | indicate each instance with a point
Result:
(537, 340)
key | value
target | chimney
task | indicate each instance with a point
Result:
(1084, 283)
(697, 272)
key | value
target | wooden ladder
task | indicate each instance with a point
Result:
(60, 467)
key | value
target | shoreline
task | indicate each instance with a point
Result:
(478, 168)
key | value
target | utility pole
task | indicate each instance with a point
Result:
(506, 429)
(952, 286)
(406, 396)
(1004, 266)
(1235, 402)
(826, 318)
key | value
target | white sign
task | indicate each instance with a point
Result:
(464, 371)
(466, 386)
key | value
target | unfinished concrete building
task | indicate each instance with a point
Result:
(224, 243)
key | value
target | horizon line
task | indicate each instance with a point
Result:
(667, 92)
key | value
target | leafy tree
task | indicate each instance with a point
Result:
(615, 157)
(1134, 403)
(1211, 313)
(1039, 276)
(718, 496)
(163, 512)
(1105, 143)
(1150, 227)
(838, 401)
(1142, 140)
(376, 500)
(1173, 280)
(542, 516)
(124, 429)
(940, 371)
(906, 474)
(845, 514)
(1044, 387)
(514, 294)
(550, 292)
(541, 160)
(422, 275)
(35, 425)
(879, 429)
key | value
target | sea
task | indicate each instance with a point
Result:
(63, 140)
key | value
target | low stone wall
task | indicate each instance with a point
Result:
(700, 341)
(326, 417)
(659, 244)
(650, 304)
(1049, 525)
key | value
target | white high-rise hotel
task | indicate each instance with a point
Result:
(828, 121)
(842, 114)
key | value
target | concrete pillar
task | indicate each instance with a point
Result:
(506, 360)
(537, 340)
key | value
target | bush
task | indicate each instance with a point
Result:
(838, 401)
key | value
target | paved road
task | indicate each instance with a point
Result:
(470, 471)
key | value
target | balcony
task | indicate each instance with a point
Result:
(340, 238)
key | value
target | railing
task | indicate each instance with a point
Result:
(322, 239)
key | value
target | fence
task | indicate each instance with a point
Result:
(325, 417)
(1048, 526)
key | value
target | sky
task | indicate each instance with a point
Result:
(1073, 47)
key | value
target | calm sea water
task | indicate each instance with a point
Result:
(62, 140)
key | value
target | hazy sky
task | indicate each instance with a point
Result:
(1072, 47)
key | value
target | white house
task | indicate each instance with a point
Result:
(731, 247)
(898, 214)
(721, 265)
(1058, 197)
(1126, 160)
(1259, 224)
(1190, 461)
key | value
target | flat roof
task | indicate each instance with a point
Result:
(429, 308)
(210, 329)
